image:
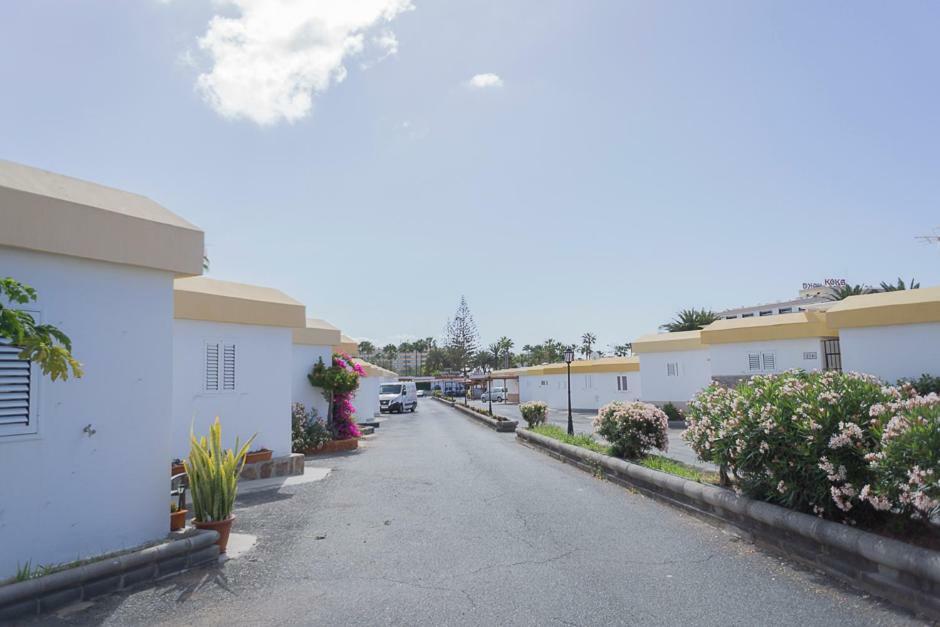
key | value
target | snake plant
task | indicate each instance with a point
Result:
(213, 474)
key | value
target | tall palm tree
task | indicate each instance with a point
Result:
(897, 287)
(505, 348)
(587, 344)
(845, 291)
(366, 348)
(690, 320)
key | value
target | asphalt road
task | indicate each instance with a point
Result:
(440, 521)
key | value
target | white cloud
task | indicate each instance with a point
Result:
(272, 57)
(482, 81)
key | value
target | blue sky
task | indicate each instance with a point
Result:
(632, 159)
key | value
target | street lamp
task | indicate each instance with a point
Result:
(489, 392)
(569, 357)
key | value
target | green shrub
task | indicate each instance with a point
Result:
(673, 413)
(907, 468)
(798, 439)
(307, 431)
(925, 384)
(533, 412)
(632, 428)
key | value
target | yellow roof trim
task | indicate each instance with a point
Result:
(374, 371)
(581, 366)
(347, 345)
(58, 214)
(668, 342)
(886, 308)
(791, 326)
(201, 298)
(317, 333)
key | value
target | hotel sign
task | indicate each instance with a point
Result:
(826, 283)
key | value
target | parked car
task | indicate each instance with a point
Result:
(498, 394)
(398, 397)
(421, 393)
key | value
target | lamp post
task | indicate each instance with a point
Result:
(489, 392)
(569, 357)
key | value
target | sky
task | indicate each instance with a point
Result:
(568, 166)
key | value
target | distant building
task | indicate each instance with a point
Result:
(810, 296)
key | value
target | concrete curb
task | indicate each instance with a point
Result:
(502, 426)
(85, 582)
(903, 574)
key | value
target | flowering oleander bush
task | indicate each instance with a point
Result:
(632, 428)
(797, 439)
(907, 466)
(533, 412)
(308, 432)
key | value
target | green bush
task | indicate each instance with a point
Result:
(925, 384)
(307, 431)
(797, 439)
(632, 428)
(673, 413)
(907, 467)
(533, 412)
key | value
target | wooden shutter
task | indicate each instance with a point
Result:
(212, 367)
(15, 386)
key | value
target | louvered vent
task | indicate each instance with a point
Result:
(753, 362)
(14, 386)
(770, 361)
(228, 367)
(212, 367)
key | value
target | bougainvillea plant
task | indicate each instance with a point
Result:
(339, 383)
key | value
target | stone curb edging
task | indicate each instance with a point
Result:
(82, 583)
(903, 574)
(502, 426)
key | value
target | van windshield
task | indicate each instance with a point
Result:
(390, 389)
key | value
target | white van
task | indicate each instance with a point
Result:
(498, 394)
(400, 397)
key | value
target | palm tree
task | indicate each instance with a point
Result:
(897, 287)
(690, 320)
(505, 349)
(845, 291)
(587, 344)
(366, 348)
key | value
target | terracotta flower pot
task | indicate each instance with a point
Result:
(178, 519)
(223, 527)
(258, 456)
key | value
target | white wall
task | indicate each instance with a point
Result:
(694, 374)
(588, 391)
(732, 359)
(366, 400)
(64, 494)
(892, 352)
(262, 401)
(304, 358)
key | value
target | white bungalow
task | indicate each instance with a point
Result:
(312, 343)
(366, 399)
(84, 462)
(674, 366)
(742, 347)
(594, 382)
(232, 358)
(891, 335)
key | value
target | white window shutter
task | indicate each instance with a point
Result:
(770, 361)
(228, 367)
(753, 362)
(15, 386)
(212, 367)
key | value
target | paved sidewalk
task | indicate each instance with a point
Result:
(583, 423)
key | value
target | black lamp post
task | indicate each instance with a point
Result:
(489, 392)
(569, 357)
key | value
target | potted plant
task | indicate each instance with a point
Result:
(177, 517)
(213, 481)
(258, 455)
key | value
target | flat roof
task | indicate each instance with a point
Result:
(201, 298)
(58, 214)
(790, 326)
(796, 302)
(668, 342)
(317, 332)
(886, 309)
